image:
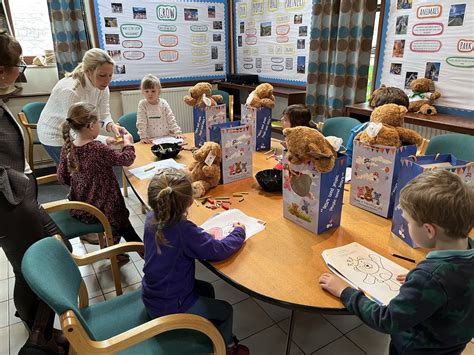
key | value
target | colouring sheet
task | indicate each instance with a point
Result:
(236, 153)
(167, 139)
(366, 270)
(221, 224)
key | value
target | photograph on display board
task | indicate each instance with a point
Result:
(172, 38)
(430, 39)
(456, 15)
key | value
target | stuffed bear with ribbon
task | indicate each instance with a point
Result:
(200, 95)
(386, 128)
(306, 144)
(205, 171)
(262, 96)
(423, 96)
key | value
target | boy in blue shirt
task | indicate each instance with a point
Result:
(434, 311)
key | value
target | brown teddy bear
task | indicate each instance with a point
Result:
(307, 144)
(262, 96)
(423, 96)
(206, 174)
(198, 94)
(388, 95)
(386, 128)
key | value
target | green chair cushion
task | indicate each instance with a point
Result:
(457, 144)
(119, 314)
(33, 110)
(129, 121)
(71, 227)
(340, 127)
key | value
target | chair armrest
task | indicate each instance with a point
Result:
(47, 179)
(82, 343)
(105, 253)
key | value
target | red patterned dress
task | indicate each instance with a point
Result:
(95, 182)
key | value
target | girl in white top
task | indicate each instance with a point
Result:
(154, 115)
(88, 83)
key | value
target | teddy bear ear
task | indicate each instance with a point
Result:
(287, 132)
(402, 109)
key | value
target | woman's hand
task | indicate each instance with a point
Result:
(333, 284)
(146, 141)
(116, 129)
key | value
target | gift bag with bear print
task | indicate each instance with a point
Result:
(312, 199)
(374, 176)
(204, 118)
(260, 121)
(236, 153)
(414, 166)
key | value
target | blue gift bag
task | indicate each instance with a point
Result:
(236, 153)
(374, 176)
(215, 130)
(414, 166)
(312, 199)
(204, 118)
(260, 120)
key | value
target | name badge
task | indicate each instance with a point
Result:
(154, 117)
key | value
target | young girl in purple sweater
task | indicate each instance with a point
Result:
(172, 243)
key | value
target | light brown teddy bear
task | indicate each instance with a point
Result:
(306, 144)
(198, 94)
(423, 97)
(386, 128)
(206, 174)
(262, 96)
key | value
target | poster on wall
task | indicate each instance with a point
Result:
(272, 39)
(175, 40)
(431, 39)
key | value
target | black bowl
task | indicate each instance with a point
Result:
(270, 180)
(166, 150)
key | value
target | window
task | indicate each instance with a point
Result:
(373, 52)
(31, 26)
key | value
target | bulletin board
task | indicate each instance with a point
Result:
(175, 40)
(432, 39)
(271, 39)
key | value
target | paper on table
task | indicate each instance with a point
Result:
(221, 224)
(366, 270)
(149, 170)
(167, 139)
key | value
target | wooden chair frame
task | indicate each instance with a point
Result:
(29, 127)
(81, 343)
(422, 147)
(105, 239)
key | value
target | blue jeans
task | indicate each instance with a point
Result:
(54, 152)
(220, 313)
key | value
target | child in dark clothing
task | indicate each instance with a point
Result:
(172, 243)
(434, 311)
(86, 166)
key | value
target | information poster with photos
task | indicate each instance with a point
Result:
(431, 39)
(175, 40)
(272, 39)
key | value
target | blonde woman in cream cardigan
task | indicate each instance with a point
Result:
(89, 82)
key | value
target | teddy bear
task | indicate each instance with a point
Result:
(262, 96)
(423, 96)
(200, 95)
(306, 144)
(205, 172)
(386, 128)
(388, 95)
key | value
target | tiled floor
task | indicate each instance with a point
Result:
(259, 325)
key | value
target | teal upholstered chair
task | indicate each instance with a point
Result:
(460, 145)
(340, 127)
(118, 325)
(129, 121)
(228, 100)
(29, 116)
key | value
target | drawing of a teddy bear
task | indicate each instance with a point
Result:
(238, 167)
(368, 193)
(374, 271)
(360, 192)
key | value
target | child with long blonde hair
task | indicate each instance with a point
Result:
(86, 165)
(172, 243)
(154, 115)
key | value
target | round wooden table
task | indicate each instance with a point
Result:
(282, 264)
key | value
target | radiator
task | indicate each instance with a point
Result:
(426, 132)
(174, 96)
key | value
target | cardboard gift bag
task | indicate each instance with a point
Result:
(414, 166)
(313, 199)
(215, 134)
(260, 121)
(236, 153)
(374, 176)
(204, 118)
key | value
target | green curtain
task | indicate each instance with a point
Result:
(69, 32)
(339, 57)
